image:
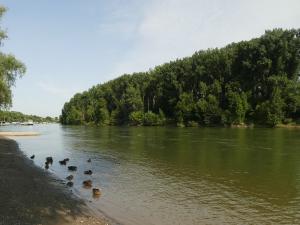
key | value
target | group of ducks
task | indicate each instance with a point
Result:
(86, 183)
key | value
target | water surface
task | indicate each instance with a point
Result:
(169, 176)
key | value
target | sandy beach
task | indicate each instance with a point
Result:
(15, 134)
(30, 195)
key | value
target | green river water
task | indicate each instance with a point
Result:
(169, 176)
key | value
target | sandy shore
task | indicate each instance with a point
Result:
(30, 195)
(14, 133)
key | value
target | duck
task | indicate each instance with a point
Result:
(70, 177)
(70, 184)
(96, 192)
(32, 157)
(72, 168)
(89, 160)
(49, 159)
(63, 162)
(88, 172)
(87, 183)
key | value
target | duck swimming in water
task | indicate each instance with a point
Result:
(63, 162)
(88, 172)
(70, 184)
(70, 177)
(32, 157)
(87, 183)
(96, 192)
(72, 168)
(49, 160)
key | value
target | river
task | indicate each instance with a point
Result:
(170, 176)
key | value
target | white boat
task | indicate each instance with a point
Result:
(3, 123)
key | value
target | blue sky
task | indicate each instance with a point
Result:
(69, 46)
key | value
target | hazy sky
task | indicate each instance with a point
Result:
(70, 45)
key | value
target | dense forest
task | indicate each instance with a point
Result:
(250, 82)
(12, 116)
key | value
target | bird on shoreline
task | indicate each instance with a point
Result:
(32, 157)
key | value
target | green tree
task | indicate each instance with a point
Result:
(185, 108)
(237, 106)
(136, 118)
(10, 70)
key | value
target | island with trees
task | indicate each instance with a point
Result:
(249, 82)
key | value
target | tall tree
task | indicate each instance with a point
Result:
(10, 69)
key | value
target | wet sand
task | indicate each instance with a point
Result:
(30, 195)
(8, 134)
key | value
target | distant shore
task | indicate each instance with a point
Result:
(30, 195)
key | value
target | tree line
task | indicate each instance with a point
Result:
(249, 82)
(12, 116)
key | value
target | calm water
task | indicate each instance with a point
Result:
(184, 176)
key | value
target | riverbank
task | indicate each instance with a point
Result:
(16, 134)
(30, 195)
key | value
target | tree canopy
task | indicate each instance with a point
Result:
(10, 69)
(254, 81)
